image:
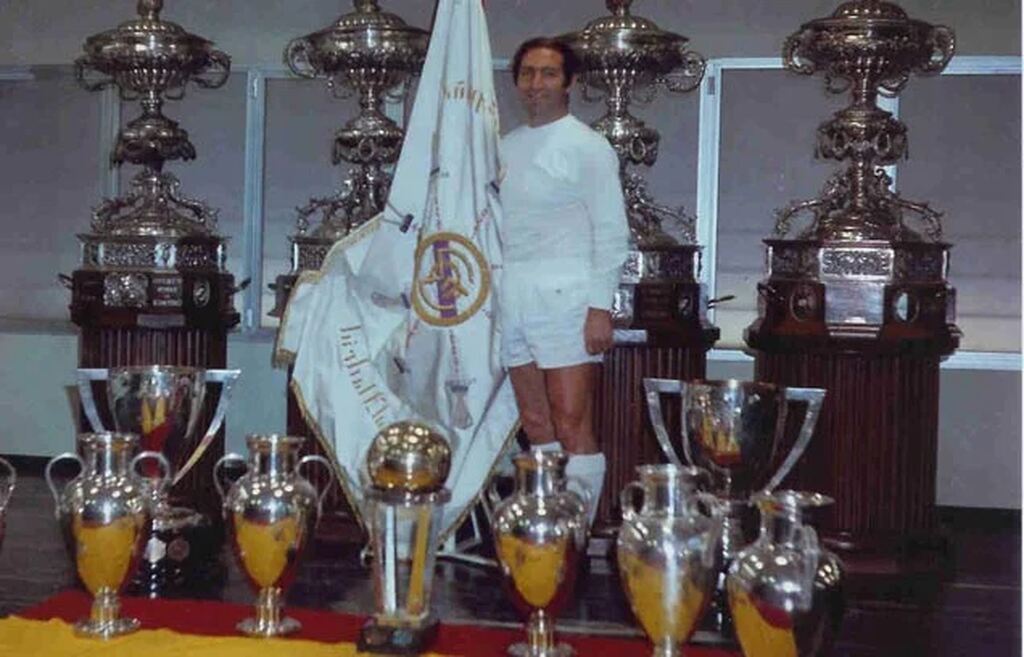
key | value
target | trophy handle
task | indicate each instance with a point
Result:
(653, 389)
(48, 472)
(316, 458)
(717, 511)
(627, 499)
(163, 481)
(85, 378)
(585, 492)
(226, 379)
(814, 398)
(8, 486)
(221, 462)
(808, 540)
(494, 498)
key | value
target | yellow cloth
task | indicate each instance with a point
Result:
(55, 638)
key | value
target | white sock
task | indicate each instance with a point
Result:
(553, 446)
(590, 469)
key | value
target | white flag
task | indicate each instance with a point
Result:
(399, 323)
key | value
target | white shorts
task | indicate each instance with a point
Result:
(542, 320)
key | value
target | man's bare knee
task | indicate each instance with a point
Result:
(575, 433)
(538, 427)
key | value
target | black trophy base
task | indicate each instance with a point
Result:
(180, 556)
(381, 638)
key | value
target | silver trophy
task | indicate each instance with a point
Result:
(785, 590)
(163, 404)
(105, 514)
(733, 429)
(272, 511)
(540, 535)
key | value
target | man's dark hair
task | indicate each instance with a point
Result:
(570, 62)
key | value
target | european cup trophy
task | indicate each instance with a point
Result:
(408, 464)
(163, 405)
(105, 514)
(272, 511)
(733, 429)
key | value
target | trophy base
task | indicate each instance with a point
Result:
(380, 638)
(181, 554)
(253, 627)
(105, 629)
(526, 650)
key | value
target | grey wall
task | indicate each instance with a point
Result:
(254, 31)
(980, 424)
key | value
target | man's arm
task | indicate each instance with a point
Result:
(606, 210)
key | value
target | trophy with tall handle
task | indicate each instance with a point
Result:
(667, 551)
(163, 405)
(733, 429)
(540, 534)
(271, 511)
(105, 514)
(785, 590)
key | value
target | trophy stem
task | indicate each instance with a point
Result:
(540, 639)
(268, 621)
(103, 621)
(667, 650)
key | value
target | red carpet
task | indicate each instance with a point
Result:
(219, 618)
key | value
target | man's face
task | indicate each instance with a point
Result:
(542, 86)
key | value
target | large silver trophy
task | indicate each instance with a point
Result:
(105, 514)
(733, 429)
(408, 463)
(785, 590)
(540, 535)
(272, 511)
(163, 404)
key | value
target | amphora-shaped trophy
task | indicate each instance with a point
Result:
(540, 534)
(271, 512)
(667, 552)
(105, 514)
(785, 590)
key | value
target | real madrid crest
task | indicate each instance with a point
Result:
(451, 279)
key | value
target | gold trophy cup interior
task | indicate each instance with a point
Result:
(8, 478)
(271, 512)
(163, 405)
(540, 533)
(408, 464)
(733, 430)
(667, 553)
(105, 514)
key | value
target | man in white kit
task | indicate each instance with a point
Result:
(564, 238)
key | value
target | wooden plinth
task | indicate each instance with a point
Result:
(620, 413)
(874, 450)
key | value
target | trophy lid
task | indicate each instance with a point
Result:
(366, 33)
(639, 41)
(148, 42)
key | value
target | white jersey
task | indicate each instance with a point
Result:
(563, 207)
